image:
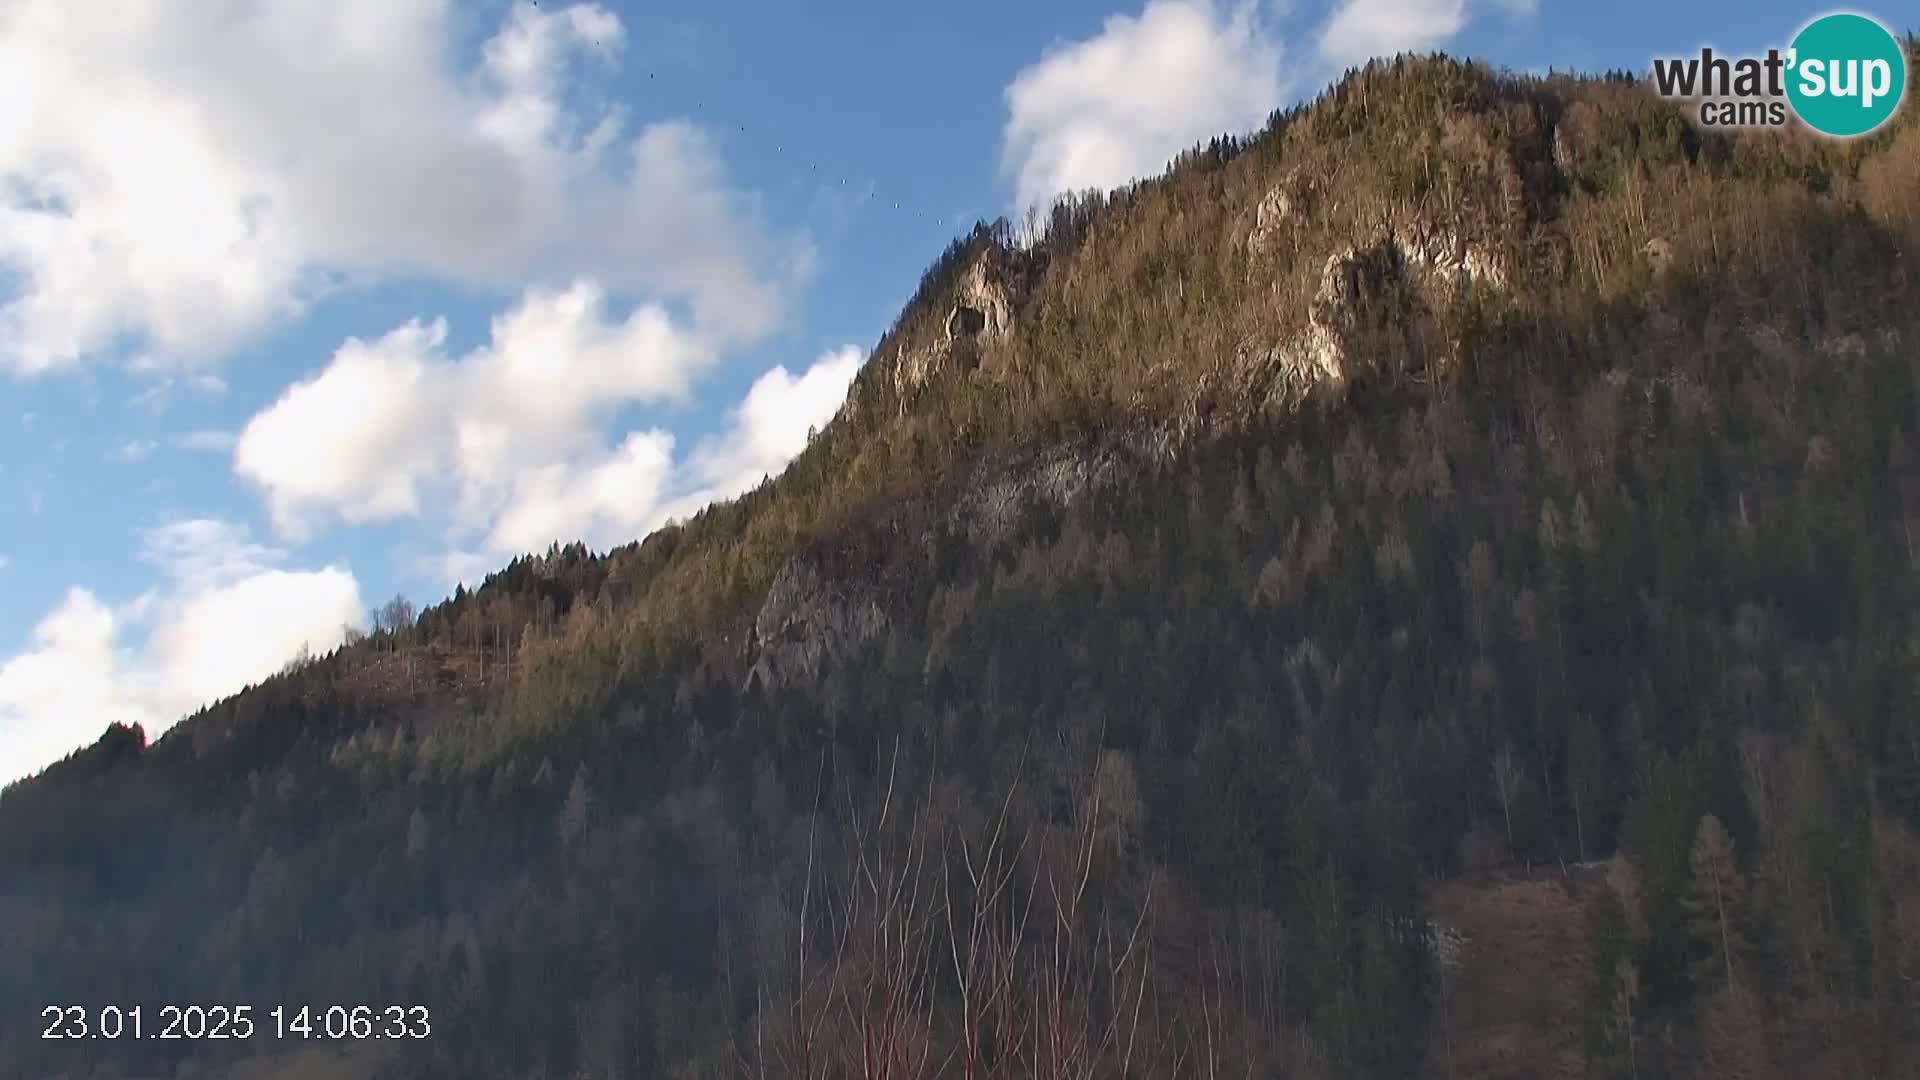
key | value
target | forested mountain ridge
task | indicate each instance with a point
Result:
(1204, 633)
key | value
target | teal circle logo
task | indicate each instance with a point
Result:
(1846, 74)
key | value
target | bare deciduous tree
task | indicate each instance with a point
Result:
(1506, 781)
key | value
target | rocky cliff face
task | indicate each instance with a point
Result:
(810, 614)
(1284, 205)
(1408, 267)
(818, 608)
(979, 315)
(983, 308)
(995, 507)
(1430, 261)
(814, 611)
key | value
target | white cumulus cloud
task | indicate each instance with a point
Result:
(179, 177)
(66, 687)
(611, 497)
(391, 424)
(1361, 29)
(508, 446)
(770, 427)
(601, 498)
(1123, 103)
(227, 614)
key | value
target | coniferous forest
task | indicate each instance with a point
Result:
(1427, 589)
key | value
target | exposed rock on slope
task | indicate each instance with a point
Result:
(980, 314)
(809, 615)
(982, 309)
(1283, 204)
(1433, 262)
(993, 509)
(1445, 255)
(818, 609)
(1658, 253)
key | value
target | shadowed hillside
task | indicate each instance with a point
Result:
(1424, 590)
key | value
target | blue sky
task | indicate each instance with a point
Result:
(304, 304)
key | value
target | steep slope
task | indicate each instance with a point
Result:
(1167, 662)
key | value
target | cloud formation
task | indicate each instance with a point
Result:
(183, 176)
(609, 498)
(391, 423)
(1123, 103)
(228, 614)
(772, 424)
(1361, 29)
(208, 440)
(136, 450)
(507, 445)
